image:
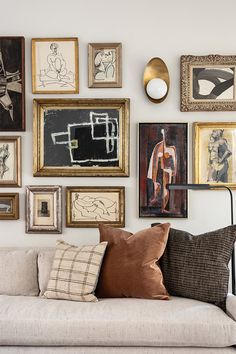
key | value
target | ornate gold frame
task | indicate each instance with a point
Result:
(186, 65)
(119, 190)
(16, 181)
(41, 105)
(14, 215)
(76, 53)
(197, 127)
(96, 46)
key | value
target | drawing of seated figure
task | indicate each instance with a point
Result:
(57, 71)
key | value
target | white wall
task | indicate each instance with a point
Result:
(164, 28)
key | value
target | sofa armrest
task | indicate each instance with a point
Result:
(231, 306)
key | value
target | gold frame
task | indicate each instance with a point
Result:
(186, 65)
(16, 182)
(197, 126)
(97, 46)
(119, 190)
(40, 105)
(76, 53)
(56, 192)
(14, 215)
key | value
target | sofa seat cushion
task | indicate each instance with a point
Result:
(114, 322)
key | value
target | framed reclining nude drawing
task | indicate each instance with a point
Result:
(55, 65)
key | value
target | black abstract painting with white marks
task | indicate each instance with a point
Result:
(81, 137)
(12, 107)
(210, 83)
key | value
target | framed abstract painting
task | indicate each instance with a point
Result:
(81, 137)
(162, 159)
(215, 157)
(208, 83)
(9, 206)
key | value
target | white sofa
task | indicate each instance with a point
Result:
(31, 324)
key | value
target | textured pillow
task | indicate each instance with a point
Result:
(129, 268)
(75, 272)
(197, 266)
(45, 261)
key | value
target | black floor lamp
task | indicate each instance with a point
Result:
(208, 186)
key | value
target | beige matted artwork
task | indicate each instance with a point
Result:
(55, 65)
(90, 206)
(105, 67)
(43, 209)
(208, 83)
(215, 158)
(10, 161)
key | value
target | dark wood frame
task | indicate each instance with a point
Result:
(14, 215)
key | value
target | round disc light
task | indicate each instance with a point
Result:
(156, 88)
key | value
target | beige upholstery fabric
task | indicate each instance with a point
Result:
(124, 322)
(18, 272)
(75, 271)
(45, 261)
(231, 307)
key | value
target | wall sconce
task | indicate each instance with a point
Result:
(156, 80)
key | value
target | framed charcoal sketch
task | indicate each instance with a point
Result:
(55, 65)
(12, 83)
(9, 206)
(162, 160)
(43, 209)
(208, 83)
(105, 68)
(215, 159)
(81, 137)
(89, 206)
(10, 161)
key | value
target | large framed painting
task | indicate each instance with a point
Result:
(208, 83)
(105, 66)
(162, 160)
(10, 161)
(9, 206)
(55, 67)
(81, 137)
(43, 209)
(215, 156)
(90, 206)
(12, 83)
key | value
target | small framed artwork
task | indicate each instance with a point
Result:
(81, 137)
(208, 83)
(162, 160)
(10, 161)
(43, 209)
(12, 83)
(90, 206)
(55, 66)
(215, 158)
(9, 206)
(105, 65)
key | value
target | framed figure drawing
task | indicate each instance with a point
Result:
(10, 161)
(105, 65)
(215, 159)
(81, 137)
(162, 160)
(55, 65)
(89, 206)
(9, 206)
(12, 83)
(208, 83)
(43, 209)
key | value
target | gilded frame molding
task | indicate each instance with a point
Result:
(14, 214)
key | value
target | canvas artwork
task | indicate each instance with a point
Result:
(12, 83)
(55, 65)
(215, 161)
(162, 161)
(10, 161)
(9, 206)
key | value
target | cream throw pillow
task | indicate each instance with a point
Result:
(75, 271)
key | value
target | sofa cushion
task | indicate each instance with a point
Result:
(18, 272)
(45, 261)
(114, 322)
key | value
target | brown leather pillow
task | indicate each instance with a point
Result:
(129, 267)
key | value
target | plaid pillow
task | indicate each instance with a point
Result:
(75, 271)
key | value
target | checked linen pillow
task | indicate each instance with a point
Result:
(75, 271)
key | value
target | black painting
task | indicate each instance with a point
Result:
(12, 97)
(81, 137)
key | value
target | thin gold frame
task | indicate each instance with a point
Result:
(76, 54)
(119, 190)
(197, 149)
(16, 181)
(99, 46)
(14, 215)
(40, 105)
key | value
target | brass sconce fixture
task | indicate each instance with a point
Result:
(156, 80)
